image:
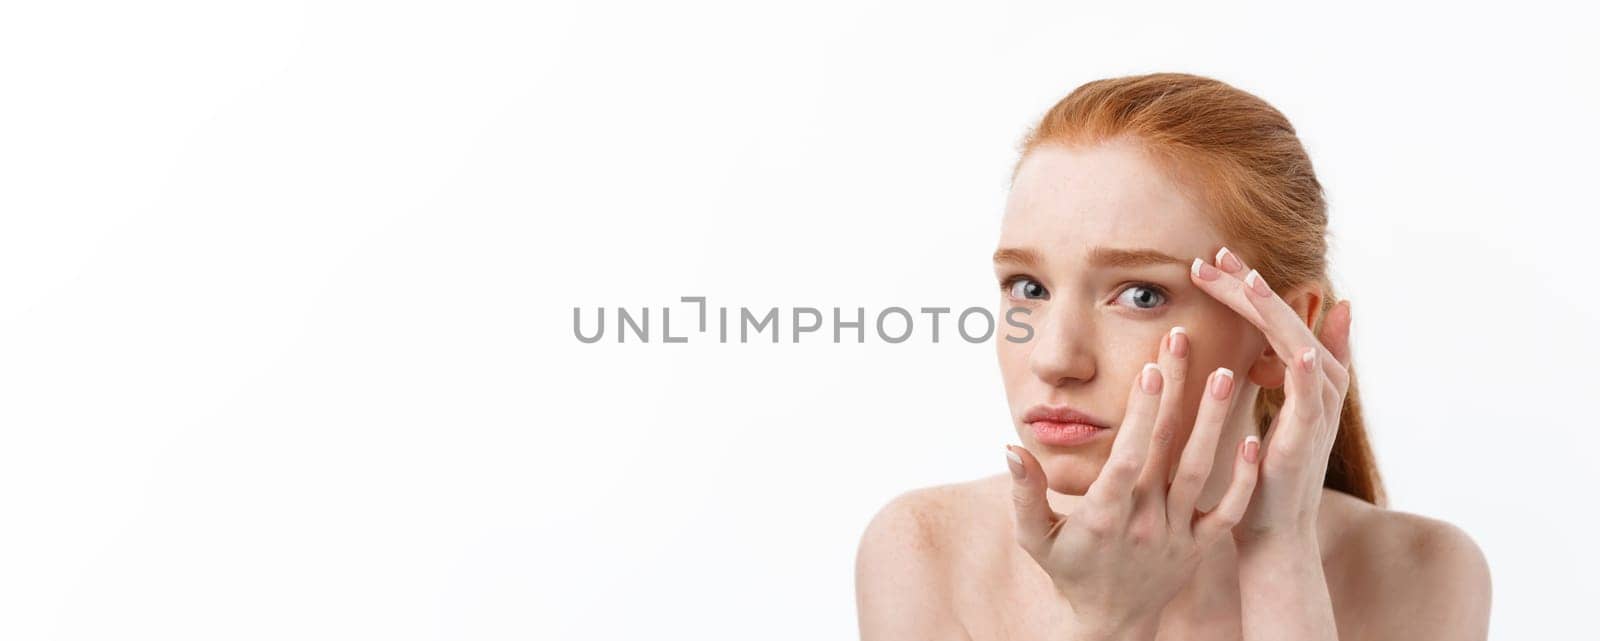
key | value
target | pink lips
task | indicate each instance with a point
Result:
(1061, 425)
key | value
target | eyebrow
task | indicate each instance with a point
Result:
(1099, 256)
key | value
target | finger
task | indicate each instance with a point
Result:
(1128, 452)
(1302, 406)
(1194, 468)
(1332, 407)
(1165, 435)
(1286, 330)
(1253, 299)
(1336, 332)
(1246, 470)
(1230, 263)
(1305, 358)
(1035, 521)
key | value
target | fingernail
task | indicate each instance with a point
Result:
(1150, 378)
(1203, 271)
(1252, 448)
(1015, 463)
(1308, 359)
(1257, 283)
(1178, 342)
(1227, 261)
(1222, 384)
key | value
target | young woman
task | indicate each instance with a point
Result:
(1193, 462)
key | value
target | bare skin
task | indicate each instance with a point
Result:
(940, 563)
(951, 562)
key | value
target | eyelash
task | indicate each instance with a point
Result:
(1166, 297)
(1009, 281)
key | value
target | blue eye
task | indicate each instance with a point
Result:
(1026, 288)
(1144, 296)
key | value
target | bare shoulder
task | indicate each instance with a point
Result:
(917, 517)
(904, 563)
(1407, 576)
(921, 525)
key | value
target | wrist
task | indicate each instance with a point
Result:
(1279, 559)
(1279, 543)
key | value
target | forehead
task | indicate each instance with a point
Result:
(1068, 199)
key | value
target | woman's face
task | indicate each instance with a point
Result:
(1096, 244)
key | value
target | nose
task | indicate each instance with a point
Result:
(1063, 350)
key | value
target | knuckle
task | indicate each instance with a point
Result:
(1300, 379)
(1286, 460)
(1191, 475)
(1332, 395)
(1122, 467)
(1140, 534)
(1098, 524)
(1165, 433)
(1144, 530)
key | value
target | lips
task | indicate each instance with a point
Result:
(1063, 426)
(1061, 414)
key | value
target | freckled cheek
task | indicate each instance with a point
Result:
(1129, 351)
(1224, 348)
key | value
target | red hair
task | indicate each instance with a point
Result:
(1242, 159)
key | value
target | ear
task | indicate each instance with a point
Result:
(1267, 370)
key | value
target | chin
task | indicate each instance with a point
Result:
(1071, 473)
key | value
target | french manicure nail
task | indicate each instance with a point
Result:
(1150, 378)
(1308, 359)
(1203, 271)
(1015, 463)
(1222, 384)
(1252, 448)
(1178, 341)
(1227, 261)
(1257, 284)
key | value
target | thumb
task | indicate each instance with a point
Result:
(1031, 511)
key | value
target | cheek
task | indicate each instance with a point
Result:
(1228, 345)
(1013, 359)
(1128, 351)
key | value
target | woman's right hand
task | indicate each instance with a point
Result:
(1134, 542)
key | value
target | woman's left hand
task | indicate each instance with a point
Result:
(1294, 455)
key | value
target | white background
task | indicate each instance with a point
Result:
(285, 329)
